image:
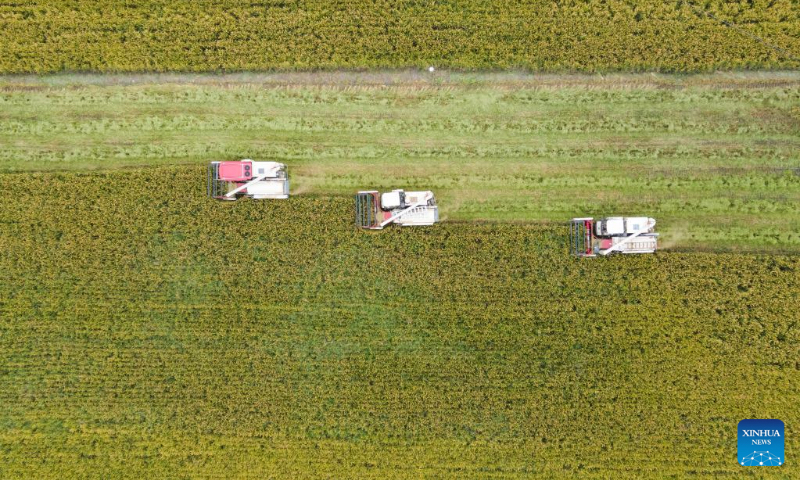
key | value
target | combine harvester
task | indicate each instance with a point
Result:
(589, 237)
(374, 211)
(246, 178)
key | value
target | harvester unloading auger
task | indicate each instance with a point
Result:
(589, 237)
(375, 211)
(246, 178)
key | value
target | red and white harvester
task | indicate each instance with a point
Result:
(375, 211)
(246, 178)
(589, 237)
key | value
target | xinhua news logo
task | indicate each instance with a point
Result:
(761, 443)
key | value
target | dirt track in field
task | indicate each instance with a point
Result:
(418, 79)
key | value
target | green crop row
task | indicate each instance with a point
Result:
(146, 330)
(596, 35)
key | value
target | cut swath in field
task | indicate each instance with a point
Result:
(713, 157)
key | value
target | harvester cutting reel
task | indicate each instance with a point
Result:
(589, 237)
(246, 178)
(374, 211)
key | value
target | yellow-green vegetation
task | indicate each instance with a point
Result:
(543, 35)
(147, 331)
(715, 159)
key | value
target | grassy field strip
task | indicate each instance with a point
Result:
(716, 157)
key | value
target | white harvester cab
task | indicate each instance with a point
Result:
(247, 178)
(589, 237)
(375, 211)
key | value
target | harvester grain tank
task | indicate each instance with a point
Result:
(589, 237)
(375, 210)
(247, 178)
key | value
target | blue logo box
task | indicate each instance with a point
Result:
(761, 443)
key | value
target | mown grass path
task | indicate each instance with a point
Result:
(715, 158)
